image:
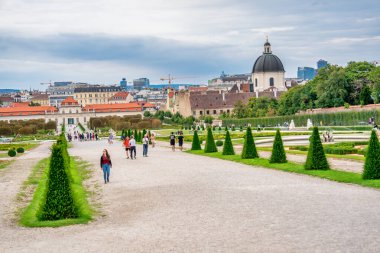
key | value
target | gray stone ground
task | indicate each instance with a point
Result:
(177, 202)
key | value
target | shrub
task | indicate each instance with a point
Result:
(20, 150)
(59, 203)
(278, 151)
(372, 161)
(249, 148)
(228, 148)
(210, 146)
(316, 158)
(219, 143)
(12, 153)
(195, 145)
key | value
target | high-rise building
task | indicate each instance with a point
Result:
(305, 73)
(140, 83)
(321, 63)
(123, 83)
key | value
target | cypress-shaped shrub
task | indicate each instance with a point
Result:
(316, 158)
(136, 135)
(129, 133)
(196, 145)
(278, 151)
(59, 203)
(228, 148)
(249, 148)
(372, 160)
(210, 146)
(143, 133)
(12, 153)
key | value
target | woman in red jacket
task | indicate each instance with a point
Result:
(106, 165)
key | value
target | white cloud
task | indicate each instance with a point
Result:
(268, 30)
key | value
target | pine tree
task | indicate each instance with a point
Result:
(129, 133)
(136, 135)
(249, 148)
(228, 148)
(316, 158)
(372, 160)
(278, 151)
(195, 145)
(143, 133)
(210, 146)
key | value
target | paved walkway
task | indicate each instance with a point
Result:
(177, 202)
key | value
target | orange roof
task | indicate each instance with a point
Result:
(29, 110)
(120, 95)
(20, 104)
(69, 101)
(113, 107)
(192, 88)
(148, 105)
(171, 94)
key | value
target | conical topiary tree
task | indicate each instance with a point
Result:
(278, 151)
(316, 158)
(136, 135)
(210, 146)
(249, 148)
(196, 145)
(372, 160)
(228, 148)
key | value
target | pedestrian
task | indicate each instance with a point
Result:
(127, 146)
(153, 140)
(145, 142)
(106, 165)
(132, 144)
(180, 140)
(172, 141)
(96, 136)
(110, 139)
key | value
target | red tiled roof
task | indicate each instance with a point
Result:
(122, 95)
(20, 104)
(69, 101)
(24, 111)
(171, 94)
(122, 107)
(192, 89)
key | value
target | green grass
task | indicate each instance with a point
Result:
(334, 175)
(26, 146)
(4, 163)
(39, 175)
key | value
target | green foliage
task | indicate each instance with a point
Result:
(278, 151)
(126, 122)
(147, 114)
(196, 143)
(20, 150)
(316, 158)
(372, 161)
(210, 143)
(228, 148)
(249, 148)
(365, 96)
(59, 202)
(219, 143)
(12, 153)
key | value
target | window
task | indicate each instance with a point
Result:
(214, 112)
(255, 82)
(194, 113)
(207, 112)
(200, 113)
(271, 81)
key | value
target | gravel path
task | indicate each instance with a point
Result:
(178, 202)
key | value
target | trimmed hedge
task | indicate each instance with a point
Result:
(210, 146)
(20, 150)
(316, 158)
(249, 148)
(372, 161)
(228, 148)
(219, 143)
(278, 151)
(12, 153)
(195, 145)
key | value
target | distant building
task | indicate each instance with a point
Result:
(121, 97)
(140, 83)
(376, 63)
(306, 73)
(41, 99)
(95, 94)
(123, 83)
(227, 81)
(61, 84)
(321, 64)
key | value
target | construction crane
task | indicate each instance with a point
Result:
(169, 79)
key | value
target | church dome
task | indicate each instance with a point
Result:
(268, 62)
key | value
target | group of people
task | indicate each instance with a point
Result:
(88, 136)
(172, 139)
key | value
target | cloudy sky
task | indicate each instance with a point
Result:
(101, 41)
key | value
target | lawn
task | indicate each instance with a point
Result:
(334, 175)
(4, 163)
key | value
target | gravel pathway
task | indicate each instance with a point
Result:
(178, 202)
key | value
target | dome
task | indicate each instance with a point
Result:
(268, 63)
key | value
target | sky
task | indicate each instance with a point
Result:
(102, 41)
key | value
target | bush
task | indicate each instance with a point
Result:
(12, 153)
(219, 143)
(372, 161)
(228, 148)
(195, 145)
(20, 150)
(210, 146)
(316, 158)
(278, 151)
(59, 203)
(249, 148)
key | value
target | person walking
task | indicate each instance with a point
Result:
(127, 146)
(172, 141)
(180, 140)
(132, 144)
(110, 138)
(106, 165)
(153, 140)
(145, 142)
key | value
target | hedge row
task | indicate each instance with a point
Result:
(327, 119)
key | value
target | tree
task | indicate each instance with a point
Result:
(374, 77)
(249, 148)
(365, 96)
(240, 110)
(316, 158)
(196, 145)
(333, 92)
(278, 151)
(372, 160)
(210, 146)
(208, 119)
(147, 114)
(262, 106)
(228, 148)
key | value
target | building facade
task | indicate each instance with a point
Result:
(95, 94)
(306, 73)
(141, 83)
